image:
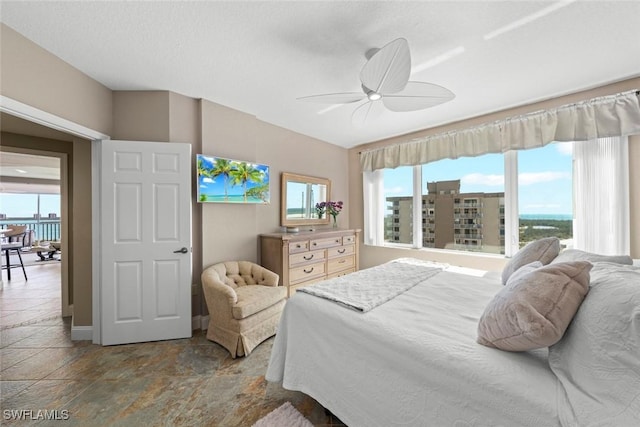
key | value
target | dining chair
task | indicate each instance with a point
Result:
(14, 243)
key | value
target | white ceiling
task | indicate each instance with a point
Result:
(258, 57)
(29, 173)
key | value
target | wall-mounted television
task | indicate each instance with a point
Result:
(222, 180)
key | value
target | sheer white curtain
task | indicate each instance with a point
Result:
(601, 195)
(373, 193)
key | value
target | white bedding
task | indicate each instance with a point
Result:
(366, 289)
(598, 360)
(412, 361)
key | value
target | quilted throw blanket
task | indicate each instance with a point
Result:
(366, 289)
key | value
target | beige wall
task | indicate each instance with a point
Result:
(81, 229)
(184, 126)
(141, 116)
(35, 77)
(374, 255)
(230, 231)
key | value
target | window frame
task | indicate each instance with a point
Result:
(511, 228)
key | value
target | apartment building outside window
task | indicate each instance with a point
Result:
(463, 200)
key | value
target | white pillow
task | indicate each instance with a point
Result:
(577, 255)
(598, 360)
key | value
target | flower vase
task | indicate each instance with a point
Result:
(335, 221)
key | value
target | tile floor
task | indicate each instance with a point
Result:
(187, 382)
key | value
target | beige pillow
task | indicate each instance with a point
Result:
(535, 307)
(543, 250)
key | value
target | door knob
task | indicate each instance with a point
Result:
(181, 251)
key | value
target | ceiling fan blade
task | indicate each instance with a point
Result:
(335, 98)
(366, 113)
(417, 96)
(388, 69)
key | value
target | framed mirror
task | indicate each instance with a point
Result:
(298, 197)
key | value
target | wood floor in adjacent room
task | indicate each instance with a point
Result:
(190, 382)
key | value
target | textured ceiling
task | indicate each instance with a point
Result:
(258, 57)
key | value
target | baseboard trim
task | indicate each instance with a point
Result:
(199, 322)
(204, 322)
(195, 322)
(81, 333)
(85, 333)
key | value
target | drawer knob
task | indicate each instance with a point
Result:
(342, 261)
(341, 251)
(308, 271)
(315, 243)
(310, 257)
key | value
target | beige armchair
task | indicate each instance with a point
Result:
(244, 302)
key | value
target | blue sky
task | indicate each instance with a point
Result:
(25, 205)
(544, 175)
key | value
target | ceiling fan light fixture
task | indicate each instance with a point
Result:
(373, 96)
(385, 77)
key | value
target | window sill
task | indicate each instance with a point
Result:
(407, 246)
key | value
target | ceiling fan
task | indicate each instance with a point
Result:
(385, 81)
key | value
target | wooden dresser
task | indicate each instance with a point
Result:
(308, 257)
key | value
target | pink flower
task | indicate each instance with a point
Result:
(334, 208)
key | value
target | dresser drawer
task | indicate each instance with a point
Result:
(306, 272)
(306, 257)
(326, 243)
(341, 273)
(341, 251)
(341, 263)
(295, 247)
(349, 240)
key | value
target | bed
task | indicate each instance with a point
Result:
(413, 360)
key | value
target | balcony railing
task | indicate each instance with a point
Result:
(468, 226)
(45, 229)
(463, 236)
(467, 216)
(468, 205)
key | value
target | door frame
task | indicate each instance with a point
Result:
(44, 118)
(66, 308)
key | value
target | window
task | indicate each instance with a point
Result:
(496, 203)
(545, 193)
(398, 197)
(40, 212)
(466, 204)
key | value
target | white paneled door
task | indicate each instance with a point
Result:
(145, 208)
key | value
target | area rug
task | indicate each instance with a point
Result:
(285, 415)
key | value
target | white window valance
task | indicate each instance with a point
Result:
(602, 117)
